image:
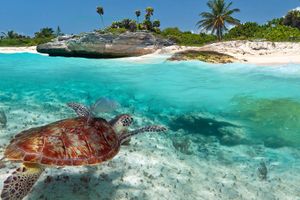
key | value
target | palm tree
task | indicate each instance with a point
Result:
(216, 20)
(100, 11)
(138, 14)
(149, 13)
(156, 23)
(292, 19)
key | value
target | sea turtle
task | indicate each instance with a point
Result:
(84, 140)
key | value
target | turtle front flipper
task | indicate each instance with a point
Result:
(19, 184)
(154, 128)
(81, 110)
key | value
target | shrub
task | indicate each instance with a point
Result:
(45, 33)
(187, 38)
(292, 19)
(114, 30)
(243, 31)
(279, 33)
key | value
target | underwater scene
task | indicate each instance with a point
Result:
(233, 130)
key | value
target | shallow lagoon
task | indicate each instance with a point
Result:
(224, 121)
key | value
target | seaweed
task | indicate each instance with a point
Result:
(275, 122)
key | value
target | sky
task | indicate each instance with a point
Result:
(75, 16)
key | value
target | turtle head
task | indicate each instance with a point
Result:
(120, 123)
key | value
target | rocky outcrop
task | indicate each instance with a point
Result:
(205, 56)
(96, 45)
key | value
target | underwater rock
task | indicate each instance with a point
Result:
(228, 133)
(104, 45)
(198, 124)
(3, 119)
(205, 56)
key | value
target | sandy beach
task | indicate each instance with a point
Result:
(259, 53)
(31, 49)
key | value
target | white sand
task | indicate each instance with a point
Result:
(31, 49)
(260, 53)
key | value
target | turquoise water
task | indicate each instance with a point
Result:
(160, 90)
(232, 105)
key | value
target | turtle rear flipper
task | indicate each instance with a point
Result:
(19, 184)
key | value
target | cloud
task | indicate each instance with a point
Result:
(297, 8)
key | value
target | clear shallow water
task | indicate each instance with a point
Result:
(201, 103)
(254, 97)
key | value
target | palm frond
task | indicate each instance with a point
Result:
(219, 15)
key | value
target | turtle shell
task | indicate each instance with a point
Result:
(67, 142)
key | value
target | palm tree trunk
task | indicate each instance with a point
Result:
(102, 21)
(218, 34)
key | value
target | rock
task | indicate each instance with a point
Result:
(228, 134)
(107, 45)
(199, 123)
(3, 119)
(205, 56)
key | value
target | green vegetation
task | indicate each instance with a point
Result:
(187, 38)
(12, 38)
(292, 19)
(134, 25)
(270, 32)
(279, 29)
(216, 20)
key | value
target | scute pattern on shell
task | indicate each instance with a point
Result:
(66, 142)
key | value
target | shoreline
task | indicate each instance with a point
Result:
(245, 52)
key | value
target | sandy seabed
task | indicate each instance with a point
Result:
(153, 167)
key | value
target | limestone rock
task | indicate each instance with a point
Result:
(108, 45)
(205, 56)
